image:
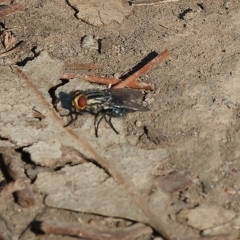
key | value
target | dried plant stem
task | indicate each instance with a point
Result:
(87, 231)
(90, 78)
(6, 10)
(21, 47)
(157, 60)
(5, 2)
(142, 85)
(154, 221)
(11, 160)
(131, 81)
(108, 81)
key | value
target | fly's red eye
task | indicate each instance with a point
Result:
(82, 102)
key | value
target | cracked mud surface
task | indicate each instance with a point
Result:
(195, 109)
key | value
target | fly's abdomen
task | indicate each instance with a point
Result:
(117, 112)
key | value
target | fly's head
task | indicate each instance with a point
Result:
(86, 101)
(79, 100)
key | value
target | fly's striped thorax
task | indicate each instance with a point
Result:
(95, 99)
(99, 96)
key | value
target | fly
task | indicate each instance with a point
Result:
(105, 104)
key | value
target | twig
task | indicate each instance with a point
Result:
(157, 60)
(154, 221)
(6, 10)
(90, 78)
(21, 47)
(83, 66)
(86, 231)
(5, 2)
(108, 81)
(8, 40)
(11, 160)
(153, 3)
(142, 85)
(37, 114)
(131, 81)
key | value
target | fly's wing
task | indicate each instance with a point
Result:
(127, 105)
(125, 94)
(121, 98)
(132, 107)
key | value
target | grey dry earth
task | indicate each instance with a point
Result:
(182, 156)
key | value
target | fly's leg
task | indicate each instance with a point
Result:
(73, 119)
(110, 123)
(96, 123)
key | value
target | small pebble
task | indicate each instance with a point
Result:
(92, 222)
(133, 140)
(117, 75)
(230, 191)
(149, 100)
(88, 42)
(80, 220)
(138, 123)
(122, 48)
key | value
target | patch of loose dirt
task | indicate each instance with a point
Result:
(195, 109)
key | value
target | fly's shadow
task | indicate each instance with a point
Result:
(143, 62)
(65, 100)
